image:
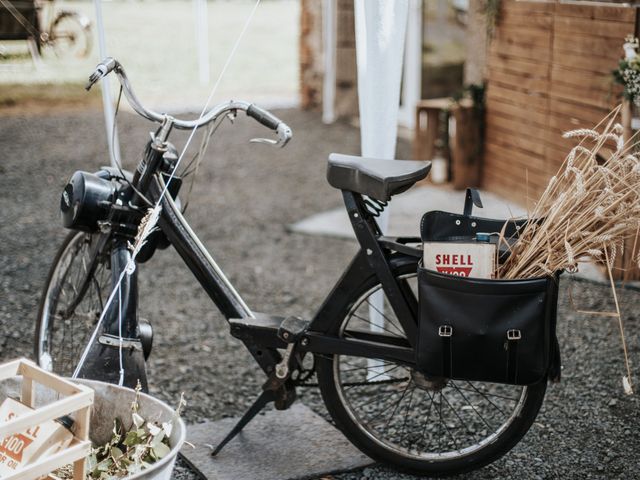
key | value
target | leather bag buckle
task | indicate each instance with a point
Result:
(445, 331)
(514, 334)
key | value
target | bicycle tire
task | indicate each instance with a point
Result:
(409, 452)
(70, 34)
(60, 338)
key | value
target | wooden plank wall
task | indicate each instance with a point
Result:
(311, 64)
(548, 71)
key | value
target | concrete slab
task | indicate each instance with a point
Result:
(294, 444)
(407, 209)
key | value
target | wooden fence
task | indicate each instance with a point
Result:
(549, 71)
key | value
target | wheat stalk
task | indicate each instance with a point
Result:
(587, 203)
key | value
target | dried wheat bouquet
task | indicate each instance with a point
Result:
(588, 210)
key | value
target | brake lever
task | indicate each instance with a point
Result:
(284, 135)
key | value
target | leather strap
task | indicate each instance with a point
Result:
(512, 355)
(471, 198)
(446, 332)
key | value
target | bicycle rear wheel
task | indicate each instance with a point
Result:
(70, 35)
(400, 417)
(62, 332)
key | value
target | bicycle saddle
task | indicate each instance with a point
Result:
(376, 178)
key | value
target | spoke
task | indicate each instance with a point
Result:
(377, 365)
(386, 372)
(368, 402)
(386, 318)
(406, 415)
(395, 408)
(355, 365)
(73, 287)
(98, 294)
(383, 410)
(458, 416)
(379, 382)
(442, 422)
(378, 326)
(488, 394)
(428, 417)
(471, 405)
(67, 335)
(488, 399)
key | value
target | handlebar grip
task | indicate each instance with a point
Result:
(267, 119)
(102, 70)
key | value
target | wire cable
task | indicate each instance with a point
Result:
(130, 267)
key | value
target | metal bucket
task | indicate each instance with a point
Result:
(110, 403)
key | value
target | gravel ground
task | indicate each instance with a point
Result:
(244, 198)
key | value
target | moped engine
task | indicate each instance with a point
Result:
(86, 200)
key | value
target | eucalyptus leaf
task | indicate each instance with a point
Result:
(128, 452)
(116, 452)
(161, 450)
(158, 439)
(168, 428)
(153, 429)
(138, 421)
(132, 439)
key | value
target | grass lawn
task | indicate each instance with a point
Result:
(156, 42)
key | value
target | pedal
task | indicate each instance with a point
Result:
(291, 329)
(282, 368)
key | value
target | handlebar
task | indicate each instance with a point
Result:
(264, 117)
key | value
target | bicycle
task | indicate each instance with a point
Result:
(365, 369)
(65, 31)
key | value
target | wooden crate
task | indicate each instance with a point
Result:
(427, 126)
(464, 151)
(74, 398)
(466, 146)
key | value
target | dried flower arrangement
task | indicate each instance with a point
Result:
(130, 450)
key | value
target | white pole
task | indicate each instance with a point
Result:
(412, 75)
(107, 101)
(329, 34)
(380, 35)
(202, 39)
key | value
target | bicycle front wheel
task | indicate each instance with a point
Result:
(398, 416)
(71, 303)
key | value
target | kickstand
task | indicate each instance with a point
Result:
(265, 397)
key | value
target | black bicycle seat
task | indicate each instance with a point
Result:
(376, 178)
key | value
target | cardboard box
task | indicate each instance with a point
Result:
(35, 442)
(475, 260)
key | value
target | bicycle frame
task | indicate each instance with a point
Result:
(372, 259)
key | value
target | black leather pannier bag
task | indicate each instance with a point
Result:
(500, 331)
